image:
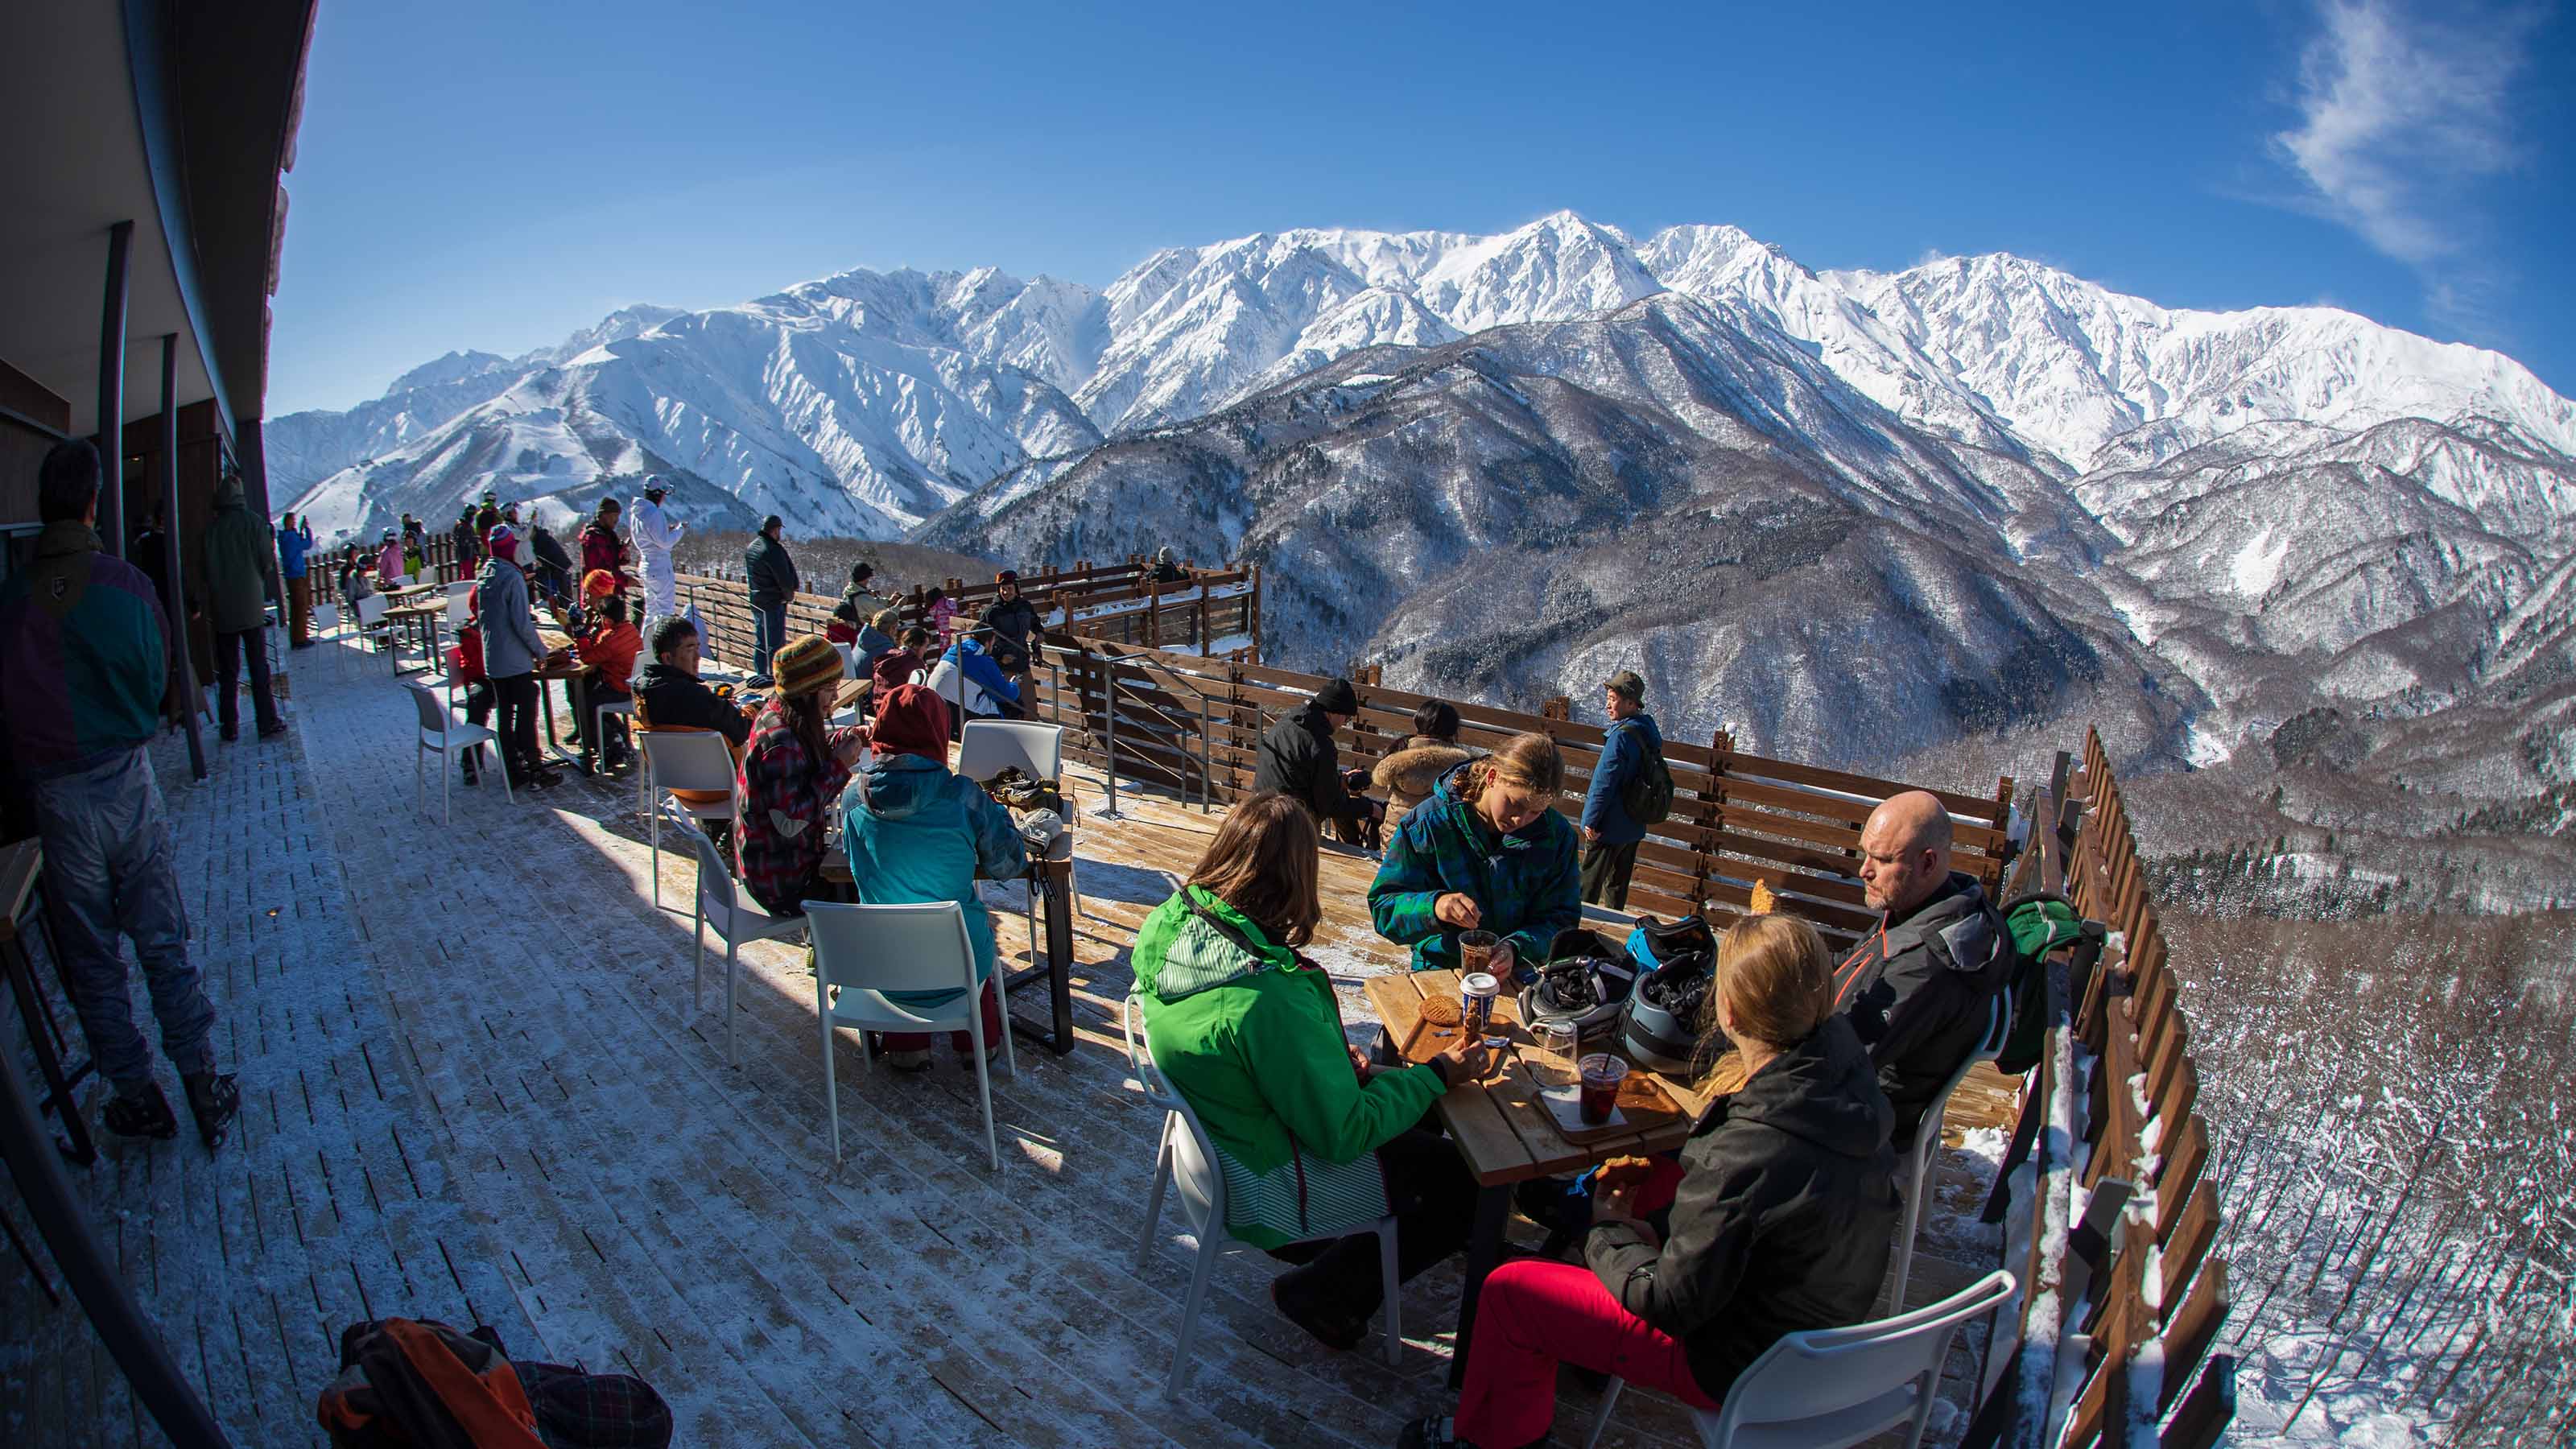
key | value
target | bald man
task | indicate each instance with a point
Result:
(1919, 987)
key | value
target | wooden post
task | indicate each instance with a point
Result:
(1153, 614)
(1557, 708)
(1255, 614)
(1203, 621)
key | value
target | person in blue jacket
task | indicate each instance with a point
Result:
(916, 833)
(1610, 836)
(972, 682)
(1487, 852)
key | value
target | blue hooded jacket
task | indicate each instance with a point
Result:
(917, 833)
(1605, 807)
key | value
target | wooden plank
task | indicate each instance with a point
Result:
(2191, 1326)
(2186, 1153)
(2193, 1234)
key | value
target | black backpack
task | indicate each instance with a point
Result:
(1649, 797)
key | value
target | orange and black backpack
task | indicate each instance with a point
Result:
(406, 1384)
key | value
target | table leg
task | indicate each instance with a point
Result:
(1059, 934)
(59, 1084)
(1484, 1245)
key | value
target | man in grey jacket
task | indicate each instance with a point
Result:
(511, 650)
(236, 577)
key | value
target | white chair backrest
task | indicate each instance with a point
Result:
(688, 759)
(434, 718)
(718, 896)
(326, 617)
(849, 661)
(989, 746)
(1862, 1374)
(877, 949)
(456, 609)
(371, 609)
(1194, 1162)
(459, 588)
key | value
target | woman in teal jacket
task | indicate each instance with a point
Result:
(1488, 851)
(916, 833)
(1314, 1144)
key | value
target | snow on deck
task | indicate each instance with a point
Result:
(476, 1089)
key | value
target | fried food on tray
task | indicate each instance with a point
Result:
(1442, 1011)
(1624, 1171)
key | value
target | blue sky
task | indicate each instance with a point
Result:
(491, 175)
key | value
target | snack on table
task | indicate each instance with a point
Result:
(1623, 1171)
(1441, 1011)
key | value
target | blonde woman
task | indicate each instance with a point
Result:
(1487, 852)
(1785, 1199)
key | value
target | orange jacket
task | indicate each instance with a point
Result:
(611, 649)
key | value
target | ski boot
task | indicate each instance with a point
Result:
(145, 1116)
(215, 1100)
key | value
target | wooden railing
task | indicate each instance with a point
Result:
(1194, 725)
(2122, 1297)
(1217, 606)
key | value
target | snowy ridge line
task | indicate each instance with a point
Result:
(2124, 1297)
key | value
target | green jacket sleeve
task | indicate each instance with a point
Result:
(1305, 1075)
(1407, 884)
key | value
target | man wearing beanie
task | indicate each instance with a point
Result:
(511, 650)
(772, 576)
(1299, 760)
(1610, 831)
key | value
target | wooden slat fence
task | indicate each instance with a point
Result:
(1194, 725)
(1218, 606)
(2122, 1297)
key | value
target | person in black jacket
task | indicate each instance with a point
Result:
(1919, 989)
(1782, 1204)
(668, 692)
(1298, 759)
(772, 576)
(554, 562)
(1014, 622)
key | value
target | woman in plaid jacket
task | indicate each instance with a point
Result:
(791, 774)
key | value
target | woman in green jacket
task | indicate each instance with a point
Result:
(1314, 1143)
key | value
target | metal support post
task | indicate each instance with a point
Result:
(1207, 770)
(1109, 730)
(111, 396)
(186, 663)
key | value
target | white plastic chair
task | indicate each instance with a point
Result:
(723, 904)
(987, 747)
(849, 661)
(863, 952)
(1917, 1167)
(1187, 1159)
(599, 713)
(324, 625)
(372, 627)
(440, 733)
(1831, 1387)
(684, 760)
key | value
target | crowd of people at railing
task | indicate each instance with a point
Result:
(1773, 1216)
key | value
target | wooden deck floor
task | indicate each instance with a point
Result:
(478, 1090)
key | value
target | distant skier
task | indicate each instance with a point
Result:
(655, 533)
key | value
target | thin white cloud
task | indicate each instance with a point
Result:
(2404, 115)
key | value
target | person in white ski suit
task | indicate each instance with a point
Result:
(655, 533)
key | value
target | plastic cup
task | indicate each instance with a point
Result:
(1475, 951)
(1602, 1074)
(1476, 993)
(1558, 1042)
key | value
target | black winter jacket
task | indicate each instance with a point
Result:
(1016, 620)
(668, 696)
(771, 573)
(1919, 991)
(1787, 1200)
(1299, 759)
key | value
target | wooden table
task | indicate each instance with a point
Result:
(1505, 1134)
(21, 867)
(1052, 879)
(424, 617)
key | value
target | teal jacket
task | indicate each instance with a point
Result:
(916, 833)
(1252, 1039)
(1527, 883)
(84, 656)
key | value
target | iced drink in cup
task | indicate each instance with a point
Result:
(1476, 994)
(1475, 952)
(1602, 1074)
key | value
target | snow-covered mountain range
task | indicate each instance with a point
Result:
(1848, 513)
